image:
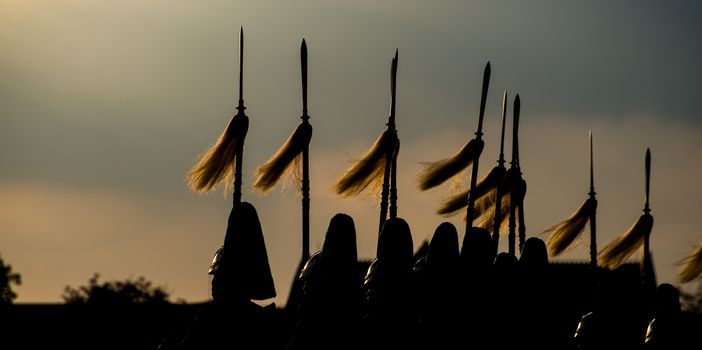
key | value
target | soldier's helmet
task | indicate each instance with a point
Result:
(586, 332)
(240, 267)
(311, 266)
(214, 265)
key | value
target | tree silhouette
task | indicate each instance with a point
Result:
(139, 291)
(7, 278)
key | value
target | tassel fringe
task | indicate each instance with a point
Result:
(566, 232)
(693, 266)
(217, 163)
(367, 172)
(284, 159)
(436, 173)
(616, 252)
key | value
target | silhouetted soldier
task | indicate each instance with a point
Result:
(615, 322)
(536, 310)
(664, 330)
(332, 291)
(504, 316)
(390, 320)
(240, 274)
(437, 283)
(476, 259)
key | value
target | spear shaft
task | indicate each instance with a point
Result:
(500, 186)
(305, 188)
(513, 178)
(649, 274)
(478, 136)
(593, 216)
(393, 183)
(240, 110)
(522, 227)
(393, 168)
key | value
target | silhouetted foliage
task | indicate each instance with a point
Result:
(139, 291)
(7, 279)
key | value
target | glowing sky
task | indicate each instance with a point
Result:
(104, 106)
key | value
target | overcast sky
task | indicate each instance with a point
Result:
(105, 105)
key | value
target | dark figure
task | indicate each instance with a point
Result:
(615, 322)
(437, 283)
(476, 259)
(505, 288)
(664, 329)
(332, 292)
(240, 274)
(390, 320)
(536, 311)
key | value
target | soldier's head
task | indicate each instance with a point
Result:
(395, 243)
(667, 300)
(339, 249)
(534, 255)
(506, 266)
(443, 249)
(477, 250)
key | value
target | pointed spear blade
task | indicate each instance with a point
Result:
(592, 172)
(393, 90)
(648, 179)
(241, 66)
(515, 131)
(303, 68)
(483, 99)
(501, 160)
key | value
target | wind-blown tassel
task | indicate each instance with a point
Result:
(564, 233)
(270, 172)
(693, 266)
(218, 162)
(453, 204)
(615, 253)
(457, 202)
(486, 219)
(514, 189)
(436, 173)
(369, 170)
